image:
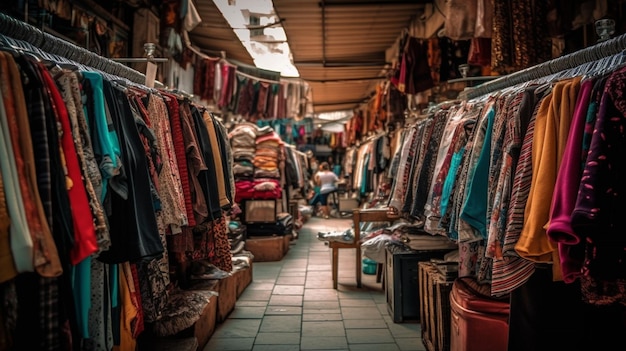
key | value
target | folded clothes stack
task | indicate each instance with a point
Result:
(236, 236)
(346, 236)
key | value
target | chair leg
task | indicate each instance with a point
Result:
(358, 266)
(379, 272)
(335, 268)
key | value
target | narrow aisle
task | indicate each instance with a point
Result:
(291, 305)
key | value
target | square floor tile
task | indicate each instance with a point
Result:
(229, 344)
(285, 300)
(311, 284)
(320, 295)
(345, 302)
(411, 344)
(237, 328)
(276, 347)
(365, 323)
(404, 330)
(256, 295)
(325, 328)
(283, 310)
(369, 336)
(277, 339)
(260, 286)
(374, 347)
(289, 280)
(247, 312)
(360, 313)
(322, 305)
(323, 316)
(287, 324)
(330, 343)
(288, 290)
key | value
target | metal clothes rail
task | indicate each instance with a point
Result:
(23, 31)
(569, 61)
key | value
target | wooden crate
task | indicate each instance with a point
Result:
(266, 249)
(426, 308)
(442, 307)
(205, 326)
(243, 277)
(176, 344)
(286, 242)
(434, 307)
(227, 290)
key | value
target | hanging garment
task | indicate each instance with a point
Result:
(460, 19)
(221, 177)
(551, 130)
(566, 189)
(599, 205)
(70, 91)
(85, 242)
(196, 164)
(207, 178)
(134, 230)
(173, 108)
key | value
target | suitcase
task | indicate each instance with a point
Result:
(282, 226)
(479, 322)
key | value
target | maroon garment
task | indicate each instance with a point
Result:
(228, 78)
(262, 98)
(245, 97)
(415, 71)
(281, 110)
(249, 189)
(173, 108)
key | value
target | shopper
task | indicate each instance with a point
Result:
(326, 180)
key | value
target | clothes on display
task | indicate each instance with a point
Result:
(109, 187)
(258, 156)
(221, 82)
(525, 180)
(366, 166)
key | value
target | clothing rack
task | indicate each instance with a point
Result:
(19, 30)
(569, 61)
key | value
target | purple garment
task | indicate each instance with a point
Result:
(601, 203)
(566, 189)
(599, 213)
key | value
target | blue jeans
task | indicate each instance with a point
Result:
(321, 199)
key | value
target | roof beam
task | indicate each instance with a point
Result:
(369, 3)
(334, 103)
(324, 63)
(338, 80)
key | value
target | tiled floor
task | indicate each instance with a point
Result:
(291, 305)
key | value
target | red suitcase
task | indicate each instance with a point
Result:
(478, 321)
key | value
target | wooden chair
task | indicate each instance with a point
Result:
(358, 216)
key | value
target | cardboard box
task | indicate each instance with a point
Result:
(266, 249)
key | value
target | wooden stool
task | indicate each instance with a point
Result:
(358, 216)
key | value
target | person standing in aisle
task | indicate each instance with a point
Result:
(326, 180)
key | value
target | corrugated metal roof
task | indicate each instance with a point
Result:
(214, 35)
(339, 46)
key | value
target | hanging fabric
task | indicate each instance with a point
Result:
(101, 160)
